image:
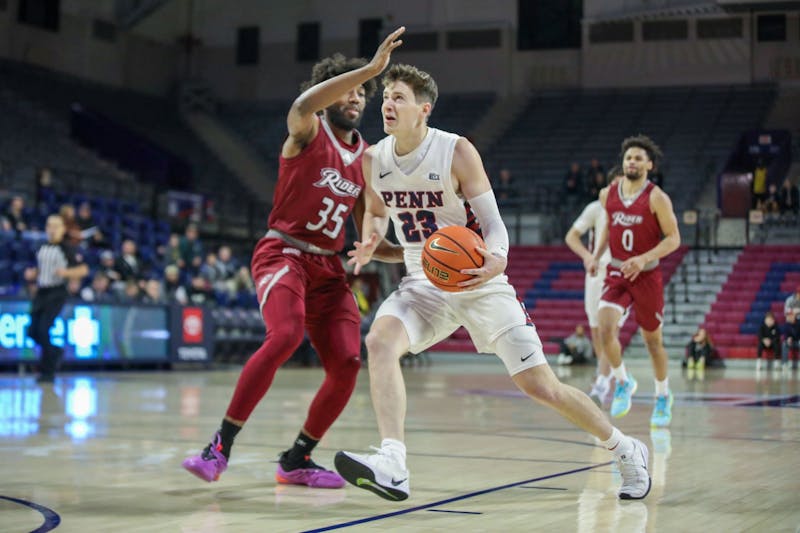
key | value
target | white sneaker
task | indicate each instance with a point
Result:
(380, 472)
(599, 392)
(633, 468)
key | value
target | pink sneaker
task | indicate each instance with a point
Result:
(210, 463)
(312, 475)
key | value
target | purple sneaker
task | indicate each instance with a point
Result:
(210, 463)
(311, 475)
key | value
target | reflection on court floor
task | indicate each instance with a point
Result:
(102, 452)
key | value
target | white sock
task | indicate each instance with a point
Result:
(662, 387)
(620, 373)
(618, 443)
(397, 449)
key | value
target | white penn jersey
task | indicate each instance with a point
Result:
(422, 198)
(594, 218)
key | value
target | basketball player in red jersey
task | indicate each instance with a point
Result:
(641, 230)
(300, 281)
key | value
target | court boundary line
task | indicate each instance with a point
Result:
(453, 499)
(51, 518)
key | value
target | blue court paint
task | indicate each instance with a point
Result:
(51, 518)
(451, 500)
(783, 401)
(454, 512)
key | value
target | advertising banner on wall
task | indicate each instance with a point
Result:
(192, 334)
(89, 333)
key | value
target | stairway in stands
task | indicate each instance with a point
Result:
(687, 299)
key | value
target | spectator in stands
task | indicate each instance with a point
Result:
(789, 198)
(791, 338)
(128, 264)
(14, 218)
(99, 291)
(597, 183)
(771, 203)
(45, 195)
(594, 168)
(698, 351)
(74, 288)
(171, 252)
(792, 303)
(575, 349)
(153, 293)
(243, 281)
(504, 188)
(174, 292)
(759, 187)
(226, 262)
(90, 232)
(769, 338)
(191, 250)
(73, 231)
(211, 271)
(131, 294)
(199, 291)
(573, 181)
(108, 266)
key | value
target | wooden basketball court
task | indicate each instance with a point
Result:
(102, 452)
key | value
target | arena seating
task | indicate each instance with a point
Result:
(761, 280)
(36, 105)
(549, 280)
(264, 123)
(117, 219)
(696, 127)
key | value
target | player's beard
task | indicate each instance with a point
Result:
(338, 119)
(635, 176)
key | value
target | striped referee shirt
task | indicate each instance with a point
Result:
(52, 257)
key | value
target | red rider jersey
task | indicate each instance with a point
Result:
(632, 227)
(318, 188)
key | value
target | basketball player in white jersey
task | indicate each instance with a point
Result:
(420, 177)
(593, 219)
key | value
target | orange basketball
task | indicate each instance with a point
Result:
(447, 252)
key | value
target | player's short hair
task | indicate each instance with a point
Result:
(332, 66)
(645, 143)
(615, 171)
(421, 82)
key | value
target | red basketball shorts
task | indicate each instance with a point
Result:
(645, 294)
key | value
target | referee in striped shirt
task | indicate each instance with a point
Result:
(57, 262)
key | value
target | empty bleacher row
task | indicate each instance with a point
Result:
(696, 128)
(264, 123)
(37, 134)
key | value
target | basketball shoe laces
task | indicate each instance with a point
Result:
(622, 390)
(386, 460)
(661, 406)
(213, 450)
(630, 469)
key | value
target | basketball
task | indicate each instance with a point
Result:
(447, 252)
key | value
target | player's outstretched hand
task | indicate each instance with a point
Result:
(362, 253)
(384, 53)
(493, 265)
